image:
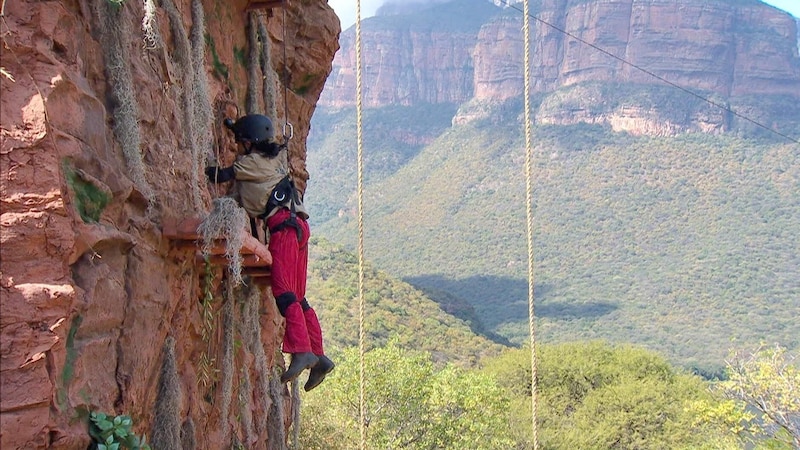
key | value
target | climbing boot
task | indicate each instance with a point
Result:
(318, 372)
(300, 362)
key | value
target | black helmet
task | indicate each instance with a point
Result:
(253, 128)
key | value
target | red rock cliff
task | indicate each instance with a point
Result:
(109, 111)
(714, 47)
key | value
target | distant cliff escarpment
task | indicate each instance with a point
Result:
(617, 62)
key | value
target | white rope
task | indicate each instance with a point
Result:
(359, 140)
(529, 223)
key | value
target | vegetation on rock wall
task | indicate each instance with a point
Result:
(114, 31)
(267, 72)
(250, 330)
(68, 371)
(227, 220)
(206, 372)
(89, 198)
(252, 96)
(152, 35)
(228, 371)
(202, 148)
(114, 433)
(166, 427)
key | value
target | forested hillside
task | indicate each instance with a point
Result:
(428, 383)
(393, 310)
(666, 179)
(688, 245)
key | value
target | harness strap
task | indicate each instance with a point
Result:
(277, 197)
(290, 222)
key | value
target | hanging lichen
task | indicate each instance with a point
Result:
(251, 101)
(182, 51)
(166, 430)
(268, 73)
(227, 220)
(206, 373)
(277, 414)
(151, 35)
(246, 405)
(202, 126)
(228, 312)
(113, 30)
(251, 333)
(188, 435)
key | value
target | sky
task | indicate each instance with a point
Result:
(346, 9)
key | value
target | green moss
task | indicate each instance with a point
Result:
(239, 55)
(305, 84)
(89, 200)
(69, 362)
(220, 69)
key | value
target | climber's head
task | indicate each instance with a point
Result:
(253, 128)
(255, 132)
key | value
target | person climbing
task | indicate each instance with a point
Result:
(267, 193)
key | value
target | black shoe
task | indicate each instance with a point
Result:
(300, 362)
(318, 372)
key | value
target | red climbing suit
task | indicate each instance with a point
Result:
(289, 269)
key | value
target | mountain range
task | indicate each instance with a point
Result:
(663, 213)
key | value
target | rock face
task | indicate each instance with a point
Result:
(719, 49)
(109, 112)
(408, 61)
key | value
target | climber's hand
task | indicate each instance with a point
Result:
(217, 175)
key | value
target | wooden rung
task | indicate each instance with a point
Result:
(256, 272)
(217, 247)
(222, 260)
(253, 5)
(185, 232)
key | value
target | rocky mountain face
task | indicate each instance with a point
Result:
(725, 51)
(110, 110)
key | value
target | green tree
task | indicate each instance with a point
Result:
(592, 395)
(769, 381)
(410, 403)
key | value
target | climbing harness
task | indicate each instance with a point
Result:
(285, 188)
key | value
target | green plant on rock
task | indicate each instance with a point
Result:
(89, 199)
(206, 372)
(114, 433)
(220, 69)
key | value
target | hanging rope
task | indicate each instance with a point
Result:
(287, 125)
(359, 138)
(529, 223)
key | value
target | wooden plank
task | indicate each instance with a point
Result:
(186, 231)
(222, 260)
(257, 272)
(253, 5)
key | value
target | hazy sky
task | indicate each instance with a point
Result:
(346, 9)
